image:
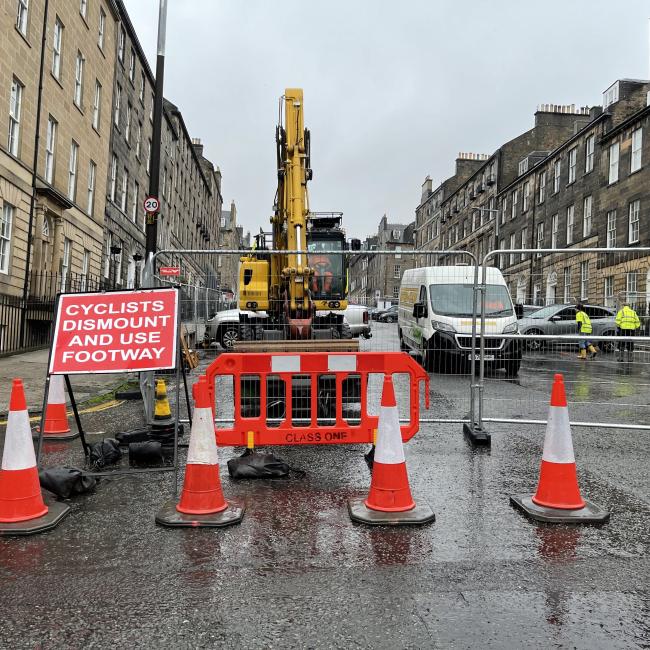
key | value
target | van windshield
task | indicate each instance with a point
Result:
(457, 299)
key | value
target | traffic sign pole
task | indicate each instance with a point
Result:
(151, 223)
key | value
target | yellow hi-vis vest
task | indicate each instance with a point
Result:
(584, 322)
(627, 319)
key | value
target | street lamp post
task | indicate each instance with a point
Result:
(137, 258)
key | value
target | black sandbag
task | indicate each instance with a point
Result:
(146, 453)
(254, 465)
(66, 482)
(106, 452)
(134, 435)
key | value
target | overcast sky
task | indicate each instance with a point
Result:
(393, 89)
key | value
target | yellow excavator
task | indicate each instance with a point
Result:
(285, 294)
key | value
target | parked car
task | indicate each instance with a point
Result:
(523, 311)
(561, 319)
(388, 315)
(374, 312)
(435, 318)
(358, 319)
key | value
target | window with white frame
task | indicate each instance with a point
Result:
(524, 241)
(523, 166)
(587, 215)
(590, 144)
(121, 44)
(134, 201)
(65, 262)
(608, 291)
(555, 219)
(633, 227)
(90, 196)
(6, 222)
(132, 66)
(573, 158)
(504, 208)
(127, 128)
(541, 179)
(85, 267)
(502, 258)
(514, 198)
(118, 102)
(151, 108)
(102, 28)
(113, 177)
(526, 198)
(107, 254)
(570, 222)
(611, 229)
(138, 139)
(83, 8)
(57, 42)
(21, 16)
(396, 291)
(97, 105)
(72, 171)
(141, 91)
(584, 280)
(125, 190)
(79, 79)
(567, 284)
(540, 236)
(631, 293)
(397, 271)
(50, 149)
(613, 162)
(557, 171)
(15, 107)
(513, 245)
(637, 143)
(149, 156)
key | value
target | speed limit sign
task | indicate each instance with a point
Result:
(151, 205)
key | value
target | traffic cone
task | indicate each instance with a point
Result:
(56, 413)
(22, 508)
(558, 498)
(202, 502)
(389, 500)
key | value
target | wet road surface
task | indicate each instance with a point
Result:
(298, 573)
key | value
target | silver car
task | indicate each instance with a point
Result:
(561, 319)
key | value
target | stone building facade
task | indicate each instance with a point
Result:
(73, 143)
(374, 278)
(590, 191)
(228, 265)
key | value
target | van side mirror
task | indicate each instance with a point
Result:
(519, 310)
(419, 310)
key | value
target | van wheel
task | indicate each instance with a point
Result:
(402, 346)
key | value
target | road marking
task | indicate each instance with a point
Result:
(91, 409)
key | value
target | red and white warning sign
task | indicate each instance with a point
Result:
(119, 331)
(170, 270)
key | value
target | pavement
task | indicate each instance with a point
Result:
(31, 367)
(297, 573)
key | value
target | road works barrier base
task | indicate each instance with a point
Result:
(168, 515)
(56, 511)
(589, 514)
(477, 435)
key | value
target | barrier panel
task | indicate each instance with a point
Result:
(295, 399)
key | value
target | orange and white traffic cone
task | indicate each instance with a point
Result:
(558, 498)
(22, 508)
(202, 502)
(389, 500)
(56, 413)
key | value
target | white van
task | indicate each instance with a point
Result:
(435, 318)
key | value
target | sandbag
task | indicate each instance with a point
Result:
(254, 465)
(106, 452)
(66, 482)
(146, 453)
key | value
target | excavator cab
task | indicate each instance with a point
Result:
(328, 284)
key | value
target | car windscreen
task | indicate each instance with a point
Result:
(457, 300)
(544, 312)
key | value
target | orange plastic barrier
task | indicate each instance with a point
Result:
(325, 381)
